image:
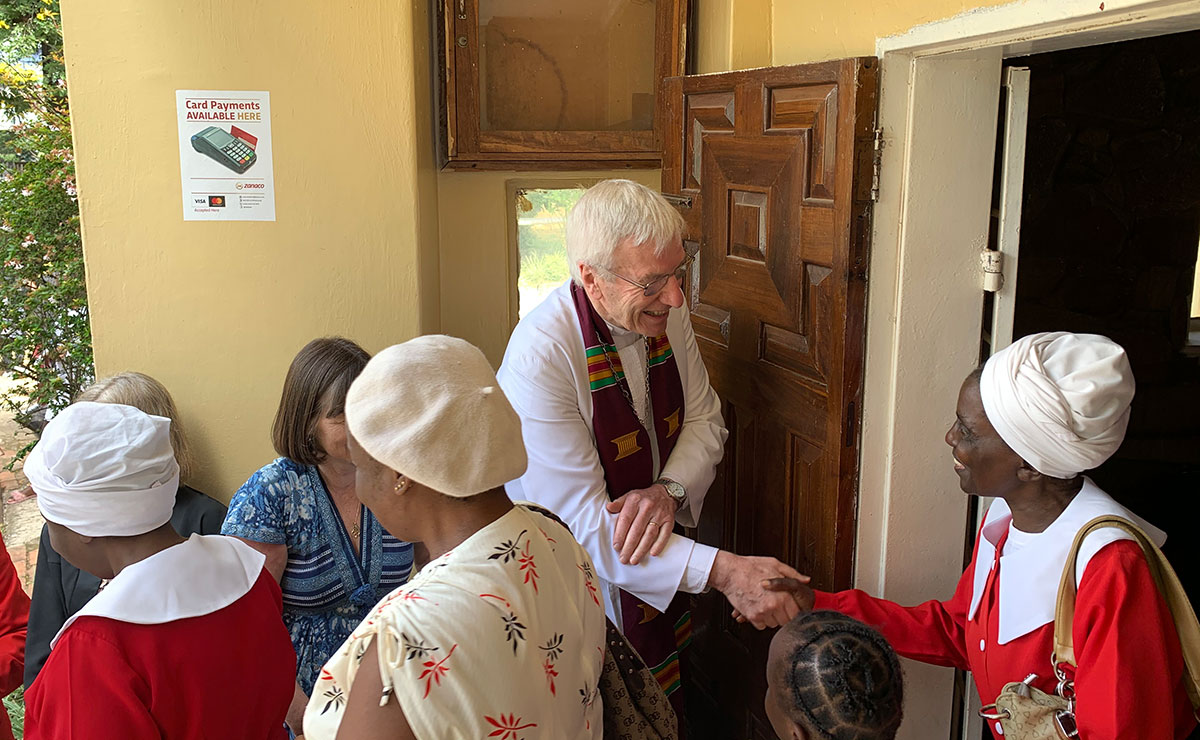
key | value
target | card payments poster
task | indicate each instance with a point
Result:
(225, 155)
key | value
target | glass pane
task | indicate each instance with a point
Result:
(566, 65)
(1196, 290)
(542, 242)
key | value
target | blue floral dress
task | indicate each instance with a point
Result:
(327, 587)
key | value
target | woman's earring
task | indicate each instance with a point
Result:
(401, 484)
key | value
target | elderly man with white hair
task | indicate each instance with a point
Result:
(624, 431)
(186, 638)
(1040, 413)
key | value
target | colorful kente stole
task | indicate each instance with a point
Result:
(625, 455)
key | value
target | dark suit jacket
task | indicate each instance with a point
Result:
(60, 589)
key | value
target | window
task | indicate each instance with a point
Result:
(557, 83)
(1196, 290)
(538, 229)
(1192, 346)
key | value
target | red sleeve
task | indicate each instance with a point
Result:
(933, 632)
(1127, 651)
(14, 616)
(87, 689)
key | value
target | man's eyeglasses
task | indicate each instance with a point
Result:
(655, 286)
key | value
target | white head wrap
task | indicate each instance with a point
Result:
(1059, 400)
(105, 470)
(431, 409)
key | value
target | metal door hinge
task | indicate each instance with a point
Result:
(992, 264)
(876, 159)
(679, 201)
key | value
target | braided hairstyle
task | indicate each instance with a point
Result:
(840, 679)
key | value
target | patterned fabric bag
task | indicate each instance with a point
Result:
(635, 707)
(1027, 713)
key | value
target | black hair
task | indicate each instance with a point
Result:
(841, 679)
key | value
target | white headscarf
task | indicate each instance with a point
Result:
(105, 470)
(1059, 400)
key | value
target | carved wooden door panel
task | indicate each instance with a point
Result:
(778, 165)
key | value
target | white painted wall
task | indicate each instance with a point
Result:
(923, 331)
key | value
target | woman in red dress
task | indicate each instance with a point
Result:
(1040, 413)
(14, 614)
(186, 638)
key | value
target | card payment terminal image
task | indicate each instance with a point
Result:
(225, 148)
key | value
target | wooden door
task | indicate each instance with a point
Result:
(778, 165)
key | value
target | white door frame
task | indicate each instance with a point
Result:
(939, 97)
(1012, 193)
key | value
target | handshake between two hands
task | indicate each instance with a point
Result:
(762, 590)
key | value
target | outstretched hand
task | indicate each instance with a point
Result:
(645, 517)
(743, 581)
(798, 588)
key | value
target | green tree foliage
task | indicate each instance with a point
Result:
(32, 73)
(45, 336)
(542, 239)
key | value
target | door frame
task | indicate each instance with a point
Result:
(938, 109)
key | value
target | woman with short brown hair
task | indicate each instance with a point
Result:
(330, 555)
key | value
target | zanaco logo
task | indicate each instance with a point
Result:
(251, 186)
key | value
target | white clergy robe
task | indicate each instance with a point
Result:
(545, 376)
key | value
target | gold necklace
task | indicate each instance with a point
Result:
(354, 528)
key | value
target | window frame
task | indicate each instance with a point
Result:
(465, 147)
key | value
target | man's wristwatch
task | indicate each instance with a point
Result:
(675, 490)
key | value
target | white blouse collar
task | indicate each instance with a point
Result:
(199, 576)
(1029, 577)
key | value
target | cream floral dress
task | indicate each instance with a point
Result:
(502, 637)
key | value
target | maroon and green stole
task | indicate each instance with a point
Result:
(628, 463)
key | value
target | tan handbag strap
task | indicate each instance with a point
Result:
(1168, 585)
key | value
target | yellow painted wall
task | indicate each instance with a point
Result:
(421, 147)
(217, 310)
(813, 30)
(731, 34)
(739, 34)
(750, 34)
(476, 255)
(712, 35)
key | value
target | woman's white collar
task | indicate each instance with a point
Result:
(199, 576)
(1029, 577)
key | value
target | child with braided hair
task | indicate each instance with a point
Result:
(831, 677)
